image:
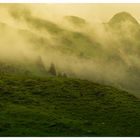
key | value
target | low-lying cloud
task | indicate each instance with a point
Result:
(96, 52)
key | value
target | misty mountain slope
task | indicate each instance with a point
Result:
(25, 15)
(122, 17)
(26, 35)
(41, 24)
(68, 41)
(23, 50)
(19, 60)
(26, 47)
(126, 26)
(65, 40)
(56, 106)
(76, 21)
(107, 54)
(37, 41)
(125, 50)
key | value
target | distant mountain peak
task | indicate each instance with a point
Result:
(122, 17)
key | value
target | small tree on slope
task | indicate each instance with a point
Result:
(52, 70)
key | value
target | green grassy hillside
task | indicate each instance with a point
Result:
(58, 106)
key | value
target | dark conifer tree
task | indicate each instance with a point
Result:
(52, 70)
(41, 64)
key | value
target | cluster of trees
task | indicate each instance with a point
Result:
(13, 68)
(52, 69)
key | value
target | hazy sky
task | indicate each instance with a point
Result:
(101, 12)
(92, 12)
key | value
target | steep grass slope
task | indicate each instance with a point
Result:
(58, 106)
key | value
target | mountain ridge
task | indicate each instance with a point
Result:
(121, 17)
